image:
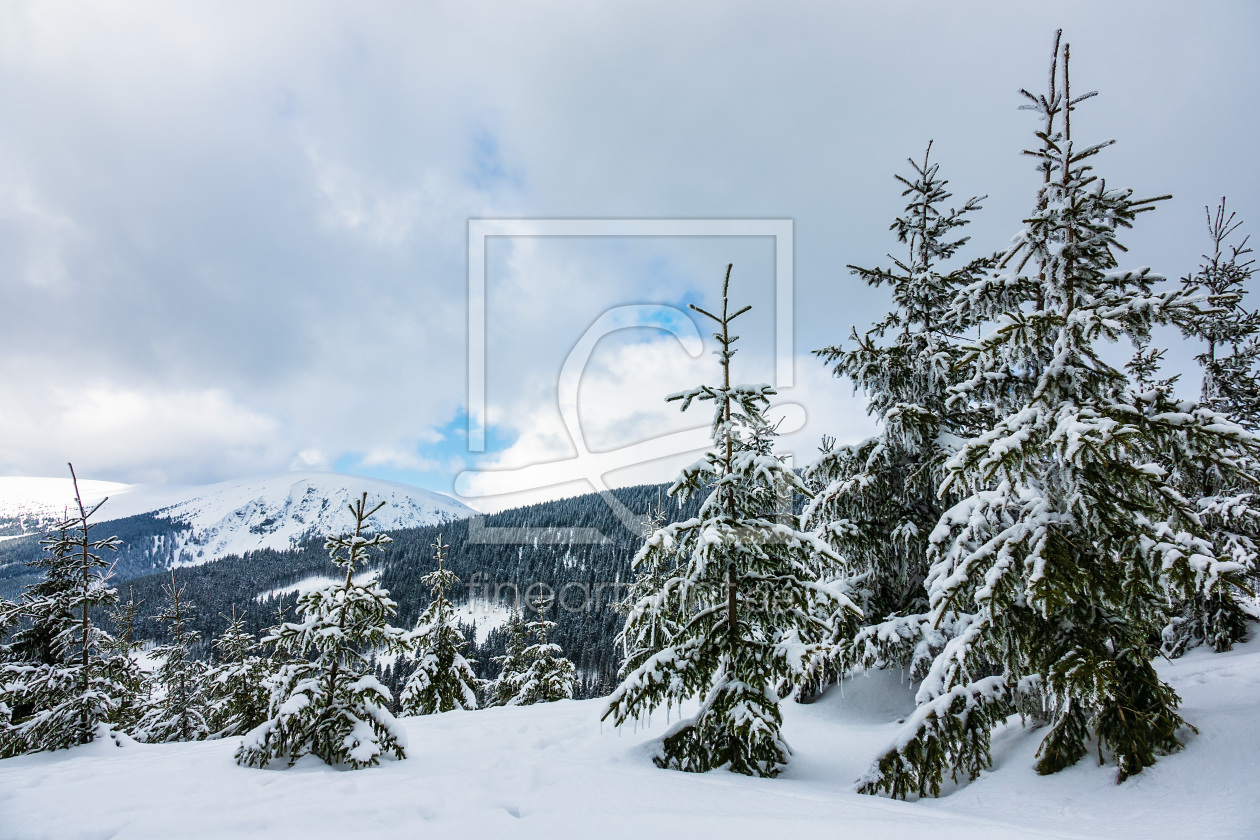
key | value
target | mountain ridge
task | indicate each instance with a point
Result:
(231, 517)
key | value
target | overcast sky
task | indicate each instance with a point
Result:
(233, 236)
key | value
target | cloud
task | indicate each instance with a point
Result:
(398, 458)
(310, 459)
(269, 202)
(631, 435)
(179, 436)
(384, 213)
(41, 234)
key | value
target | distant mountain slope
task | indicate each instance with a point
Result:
(32, 505)
(186, 525)
(278, 512)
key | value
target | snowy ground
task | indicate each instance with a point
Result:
(310, 584)
(550, 771)
(484, 616)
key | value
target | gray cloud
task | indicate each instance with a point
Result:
(232, 238)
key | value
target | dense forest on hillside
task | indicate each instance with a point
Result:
(531, 547)
(148, 544)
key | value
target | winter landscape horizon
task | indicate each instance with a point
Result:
(569, 420)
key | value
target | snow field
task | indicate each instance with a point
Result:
(484, 615)
(552, 771)
(309, 584)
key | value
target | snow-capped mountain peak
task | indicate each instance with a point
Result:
(232, 517)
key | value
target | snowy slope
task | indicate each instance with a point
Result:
(232, 517)
(30, 505)
(551, 771)
(306, 585)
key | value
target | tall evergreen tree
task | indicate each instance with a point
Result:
(1070, 537)
(1231, 385)
(235, 688)
(877, 501)
(178, 713)
(330, 705)
(740, 608)
(61, 679)
(443, 679)
(1231, 333)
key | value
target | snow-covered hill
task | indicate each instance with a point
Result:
(552, 771)
(31, 505)
(231, 517)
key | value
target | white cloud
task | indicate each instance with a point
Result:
(633, 436)
(139, 435)
(386, 213)
(43, 233)
(311, 459)
(398, 457)
(269, 202)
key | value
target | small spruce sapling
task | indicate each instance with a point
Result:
(443, 679)
(62, 682)
(236, 693)
(134, 699)
(326, 701)
(740, 607)
(548, 676)
(512, 665)
(178, 713)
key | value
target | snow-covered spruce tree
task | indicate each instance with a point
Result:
(740, 608)
(278, 655)
(7, 619)
(177, 713)
(330, 705)
(1231, 358)
(443, 679)
(548, 676)
(36, 628)
(1231, 385)
(133, 682)
(877, 501)
(235, 688)
(647, 579)
(1070, 537)
(60, 677)
(512, 664)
